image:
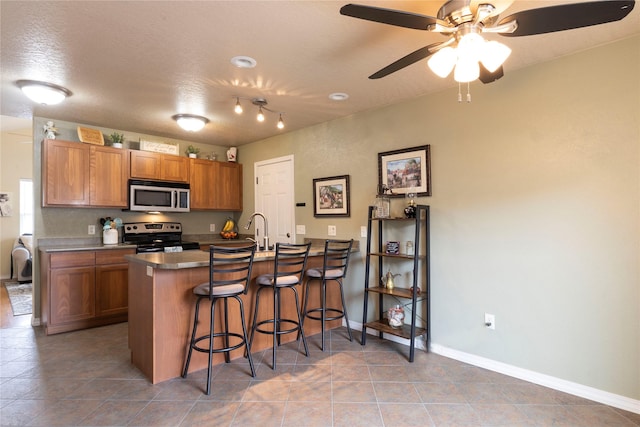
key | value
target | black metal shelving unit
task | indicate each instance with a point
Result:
(373, 286)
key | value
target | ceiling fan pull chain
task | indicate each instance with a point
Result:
(468, 92)
(459, 93)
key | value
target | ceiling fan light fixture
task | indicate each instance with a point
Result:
(470, 46)
(43, 92)
(494, 54)
(467, 70)
(190, 122)
(443, 61)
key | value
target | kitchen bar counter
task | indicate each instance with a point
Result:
(191, 259)
(161, 306)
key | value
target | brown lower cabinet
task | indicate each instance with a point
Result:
(84, 289)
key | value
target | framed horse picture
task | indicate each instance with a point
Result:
(331, 196)
(405, 171)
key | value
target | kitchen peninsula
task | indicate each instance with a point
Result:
(161, 307)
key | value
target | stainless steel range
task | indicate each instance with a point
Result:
(156, 237)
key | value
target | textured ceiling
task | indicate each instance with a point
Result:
(133, 64)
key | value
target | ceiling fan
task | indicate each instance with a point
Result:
(463, 21)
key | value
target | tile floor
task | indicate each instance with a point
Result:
(85, 379)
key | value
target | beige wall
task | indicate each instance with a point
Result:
(15, 164)
(535, 210)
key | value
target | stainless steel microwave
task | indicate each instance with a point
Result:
(158, 196)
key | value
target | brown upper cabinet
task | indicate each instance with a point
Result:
(215, 185)
(83, 175)
(158, 166)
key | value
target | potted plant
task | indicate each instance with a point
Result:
(116, 139)
(192, 151)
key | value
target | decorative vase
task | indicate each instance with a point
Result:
(117, 145)
(395, 316)
(232, 154)
(193, 155)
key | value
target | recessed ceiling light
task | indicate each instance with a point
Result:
(243, 61)
(338, 96)
(190, 122)
(43, 92)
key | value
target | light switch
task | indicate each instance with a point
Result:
(301, 229)
(331, 231)
(363, 231)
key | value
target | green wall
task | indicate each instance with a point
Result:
(535, 210)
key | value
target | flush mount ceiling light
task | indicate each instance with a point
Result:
(261, 103)
(243, 62)
(190, 122)
(43, 92)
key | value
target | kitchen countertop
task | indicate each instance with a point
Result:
(74, 246)
(192, 259)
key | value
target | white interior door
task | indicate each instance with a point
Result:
(274, 188)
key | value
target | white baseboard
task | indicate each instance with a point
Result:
(600, 396)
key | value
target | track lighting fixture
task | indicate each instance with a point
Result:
(261, 103)
(43, 92)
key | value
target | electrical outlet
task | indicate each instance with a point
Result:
(91, 229)
(331, 230)
(489, 321)
(363, 231)
(212, 227)
(301, 229)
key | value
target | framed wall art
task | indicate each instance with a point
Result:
(331, 196)
(404, 170)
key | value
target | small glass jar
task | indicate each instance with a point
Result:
(409, 251)
(382, 205)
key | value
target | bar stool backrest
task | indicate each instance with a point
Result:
(290, 262)
(229, 266)
(336, 258)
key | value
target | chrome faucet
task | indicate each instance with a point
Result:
(266, 228)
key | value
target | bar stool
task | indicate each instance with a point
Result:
(334, 268)
(229, 277)
(289, 265)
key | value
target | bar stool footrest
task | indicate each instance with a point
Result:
(221, 349)
(340, 314)
(279, 332)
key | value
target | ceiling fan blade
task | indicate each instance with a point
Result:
(487, 76)
(389, 16)
(405, 61)
(567, 17)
